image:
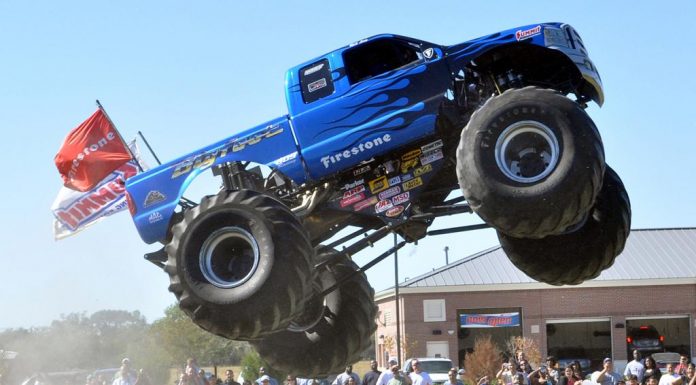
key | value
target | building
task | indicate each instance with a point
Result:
(651, 286)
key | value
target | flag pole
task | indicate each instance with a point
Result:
(135, 159)
(149, 148)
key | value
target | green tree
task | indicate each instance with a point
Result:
(184, 339)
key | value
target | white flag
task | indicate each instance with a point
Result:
(74, 210)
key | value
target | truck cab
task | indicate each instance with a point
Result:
(364, 99)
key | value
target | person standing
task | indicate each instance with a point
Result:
(681, 368)
(124, 377)
(651, 370)
(418, 376)
(606, 376)
(229, 378)
(262, 373)
(669, 377)
(387, 374)
(348, 373)
(452, 378)
(635, 367)
(504, 375)
(398, 377)
(568, 377)
(371, 377)
(689, 377)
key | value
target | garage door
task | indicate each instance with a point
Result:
(672, 332)
(587, 340)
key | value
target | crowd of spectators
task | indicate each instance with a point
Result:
(518, 371)
(515, 371)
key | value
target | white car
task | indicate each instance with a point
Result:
(436, 367)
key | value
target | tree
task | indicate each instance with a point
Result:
(529, 346)
(184, 339)
(485, 360)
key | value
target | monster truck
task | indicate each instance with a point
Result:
(378, 134)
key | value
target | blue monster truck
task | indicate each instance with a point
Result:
(378, 134)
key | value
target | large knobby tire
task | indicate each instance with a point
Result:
(570, 259)
(240, 264)
(530, 162)
(327, 340)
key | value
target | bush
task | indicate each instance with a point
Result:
(485, 360)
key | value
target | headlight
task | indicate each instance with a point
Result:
(555, 37)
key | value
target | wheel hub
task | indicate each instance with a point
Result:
(527, 151)
(229, 257)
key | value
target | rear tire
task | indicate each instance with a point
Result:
(570, 259)
(239, 264)
(530, 162)
(327, 340)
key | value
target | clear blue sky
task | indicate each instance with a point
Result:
(188, 73)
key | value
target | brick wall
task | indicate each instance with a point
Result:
(540, 305)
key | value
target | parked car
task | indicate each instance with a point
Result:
(106, 374)
(645, 339)
(56, 378)
(436, 367)
(664, 358)
(585, 364)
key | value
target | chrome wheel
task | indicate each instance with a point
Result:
(527, 151)
(229, 257)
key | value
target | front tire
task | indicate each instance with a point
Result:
(239, 264)
(530, 162)
(323, 342)
(572, 258)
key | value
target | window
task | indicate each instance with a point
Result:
(377, 57)
(316, 81)
(433, 310)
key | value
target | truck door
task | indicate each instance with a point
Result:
(386, 95)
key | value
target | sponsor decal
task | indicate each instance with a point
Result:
(526, 34)
(382, 206)
(366, 203)
(352, 199)
(353, 185)
(413, 183)
(155, 217)
(355, 190)
(314, 69)
(390, 192)
(316, 85)
(429, 157)
(408, 164)
(361, 170)
(409, 160)
(423, 170)
(357, 42)
(285, 159)
(405, 177)
(356, 150)
(207, 158)
(432, 146)
(394, 181)
(428, 53)
(379, 184)
(153, 197)
(411, 155)
(394, 211)
(401, 198)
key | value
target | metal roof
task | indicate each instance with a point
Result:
(649, 254)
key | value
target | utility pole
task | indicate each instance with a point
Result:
(396, 299)
(446, 255)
